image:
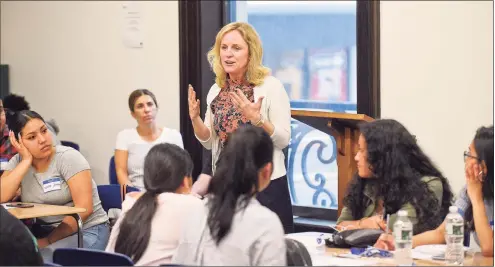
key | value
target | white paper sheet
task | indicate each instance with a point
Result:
(324, 260)
(132, 34)
(319, 259)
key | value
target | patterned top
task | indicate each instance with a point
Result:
(227, 116)
(7, 150)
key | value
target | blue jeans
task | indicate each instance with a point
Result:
(94, 237)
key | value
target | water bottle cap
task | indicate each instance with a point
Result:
(402, 213)
(453, 209)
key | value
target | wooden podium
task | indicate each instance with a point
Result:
(344, 128)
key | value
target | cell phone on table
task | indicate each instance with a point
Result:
(20, 205)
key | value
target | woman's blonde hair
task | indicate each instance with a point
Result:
(256, 72)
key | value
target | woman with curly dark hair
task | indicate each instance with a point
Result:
(394, 174)
(474, 201)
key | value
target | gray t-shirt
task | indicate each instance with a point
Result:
(50, 187)
(256, 238)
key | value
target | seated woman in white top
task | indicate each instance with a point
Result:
(133, 144)
(148, 229)
(233, 228)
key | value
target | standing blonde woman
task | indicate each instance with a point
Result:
(245, 93)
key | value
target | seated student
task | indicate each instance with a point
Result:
(133, 144)
(233, 228)
(150, 224)
(17, 245)
(393, 174)
(474, 202)
(56, 175)
(7, 151)
(15, 103)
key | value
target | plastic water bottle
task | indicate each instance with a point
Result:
(320, 244)
(403, 233)
(454, 237)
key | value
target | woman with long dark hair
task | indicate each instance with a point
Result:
(233, 228)
(148, 229)
(475, 200)
(55, 175)
(393, 174)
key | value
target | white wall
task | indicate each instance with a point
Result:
(437, 74)
(69, 60)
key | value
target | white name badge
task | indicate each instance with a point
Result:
(52, 184)
(3, 164)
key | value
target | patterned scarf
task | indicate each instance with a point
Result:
(227, 116)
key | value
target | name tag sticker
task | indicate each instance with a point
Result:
(3, 164)
(52, 184)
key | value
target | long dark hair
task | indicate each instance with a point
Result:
(398, 164)
(18, 120)
(15, 102)
(483, 144)
(236, 178)
(136, 94)
(165, 167)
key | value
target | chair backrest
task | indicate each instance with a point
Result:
(111, 172)
(50, 264)
(129, 189)
(89, 257)
(71, 144)
(110, 196)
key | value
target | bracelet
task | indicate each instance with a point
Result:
(260, 122)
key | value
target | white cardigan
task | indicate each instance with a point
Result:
(275, 108)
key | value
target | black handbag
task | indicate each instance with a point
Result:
(359, 238)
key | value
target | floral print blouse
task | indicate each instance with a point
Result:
(227, 117)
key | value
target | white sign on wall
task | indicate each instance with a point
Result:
(132, 34)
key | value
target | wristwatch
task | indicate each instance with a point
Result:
(260, 122)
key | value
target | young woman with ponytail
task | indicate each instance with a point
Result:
(233, 228)
(150, 224)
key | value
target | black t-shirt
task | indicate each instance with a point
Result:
(17, 245)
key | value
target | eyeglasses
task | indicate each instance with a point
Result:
(467, 155)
